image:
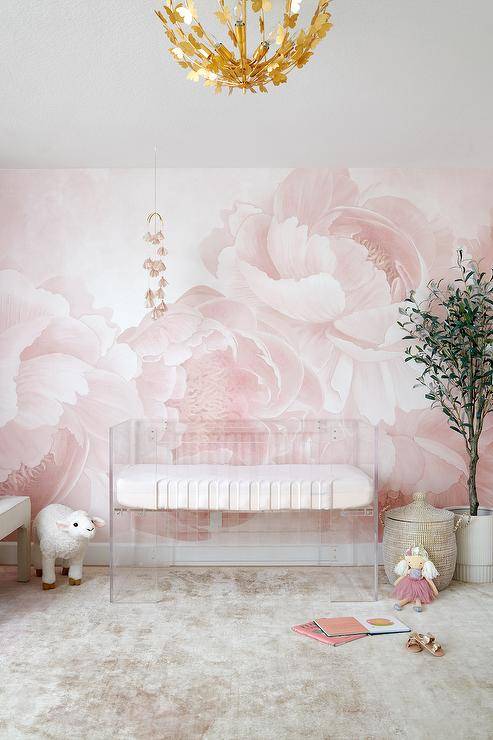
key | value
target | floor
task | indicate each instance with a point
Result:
(216, 659)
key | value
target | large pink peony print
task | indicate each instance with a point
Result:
(327, 266)
(209, 358)
(64, 382)
(286, 298)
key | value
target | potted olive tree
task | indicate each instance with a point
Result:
(450, 336)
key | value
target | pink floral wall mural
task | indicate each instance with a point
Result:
(285, 288)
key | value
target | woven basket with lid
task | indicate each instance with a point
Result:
(420, 523)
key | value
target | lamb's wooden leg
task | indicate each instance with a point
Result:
(49, 578)
(75, 571)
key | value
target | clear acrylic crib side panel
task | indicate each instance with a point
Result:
(133, 532)
(148, 537)
(254, 442)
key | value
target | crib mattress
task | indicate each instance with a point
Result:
(243, 488)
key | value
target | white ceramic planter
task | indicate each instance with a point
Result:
(474, 546)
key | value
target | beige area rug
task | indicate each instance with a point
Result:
(216, 659)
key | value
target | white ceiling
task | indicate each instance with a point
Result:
(89, 83)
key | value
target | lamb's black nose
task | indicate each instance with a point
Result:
(90, 530)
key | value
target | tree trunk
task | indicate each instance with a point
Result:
(471, 481)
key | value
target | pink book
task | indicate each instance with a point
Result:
(310, 629)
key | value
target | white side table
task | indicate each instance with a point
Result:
(15, 516)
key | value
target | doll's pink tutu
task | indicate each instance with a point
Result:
(412, 589)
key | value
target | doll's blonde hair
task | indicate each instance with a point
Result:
(429, 571)
(401, 567)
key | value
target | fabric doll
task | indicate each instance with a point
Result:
(415, 583)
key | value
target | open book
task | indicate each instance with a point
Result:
(345, 626)
(310, 629)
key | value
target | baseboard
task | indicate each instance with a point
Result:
(194, 554)
(98, 553)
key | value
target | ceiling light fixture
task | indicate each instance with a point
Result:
(230, 65)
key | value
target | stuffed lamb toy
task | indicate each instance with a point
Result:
(61, 532)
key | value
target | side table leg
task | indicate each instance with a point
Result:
(24, 550)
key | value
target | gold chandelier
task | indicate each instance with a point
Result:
(233, 66)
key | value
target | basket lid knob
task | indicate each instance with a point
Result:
(419, 496)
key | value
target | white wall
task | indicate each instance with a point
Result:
(396, 83)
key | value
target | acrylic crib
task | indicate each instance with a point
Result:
(267, 492)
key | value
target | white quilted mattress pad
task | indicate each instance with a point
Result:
(242, 487)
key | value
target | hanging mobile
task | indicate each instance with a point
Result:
(154, 264)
